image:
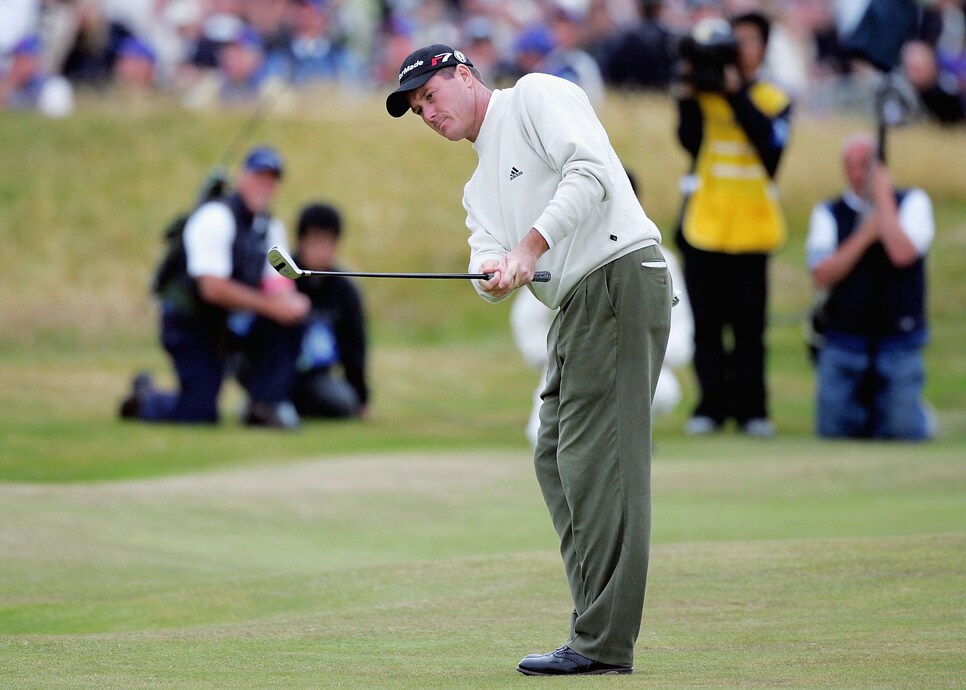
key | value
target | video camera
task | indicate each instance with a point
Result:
(708, 49)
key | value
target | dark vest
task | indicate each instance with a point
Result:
(251, 243)
(876, 299)
(248, 253)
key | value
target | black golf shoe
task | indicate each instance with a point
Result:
(567, 662)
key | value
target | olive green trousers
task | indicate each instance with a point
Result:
(593, 453)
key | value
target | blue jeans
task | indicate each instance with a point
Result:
(200, 353)
(875, 392)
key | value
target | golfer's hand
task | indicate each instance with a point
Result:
(516, 269)
(491, 286)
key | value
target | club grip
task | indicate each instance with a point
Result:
(538, 277)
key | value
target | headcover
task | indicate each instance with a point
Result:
(417, 69)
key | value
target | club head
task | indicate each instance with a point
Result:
(283, 263)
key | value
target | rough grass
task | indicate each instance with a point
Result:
(87, 198)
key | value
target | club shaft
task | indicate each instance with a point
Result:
(359, 274)
(541, 276)
(282, 262)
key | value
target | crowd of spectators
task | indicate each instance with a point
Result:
(216, 52)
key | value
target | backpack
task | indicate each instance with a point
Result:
(173, 266)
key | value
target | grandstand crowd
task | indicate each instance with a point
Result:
(213, 53)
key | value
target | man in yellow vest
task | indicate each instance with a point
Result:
(735, 127)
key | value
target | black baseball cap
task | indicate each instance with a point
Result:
(417, 69)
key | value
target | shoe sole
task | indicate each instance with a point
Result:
(602, 672)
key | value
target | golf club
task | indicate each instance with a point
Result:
(284, 264)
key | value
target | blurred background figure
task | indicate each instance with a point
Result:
(203, 28)
(221, 22)
(332, 380)
(875, 31)
(948, 37)
(938, 89)
(241, 62)
(530, 322)
(134, 68)
(435, 21)
(240, 78)
(27, 86)
(735, 126)
(89, 41)
(316, 51)
(18, 18)
(395, 41)
(480, 41)
(866, 249)
(530, 51)
(272, 21)
(643, 55)
(225, 310)
(569, 59)
(176, 34)
(698, 10)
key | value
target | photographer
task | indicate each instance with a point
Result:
(867, 248)
(735, 127)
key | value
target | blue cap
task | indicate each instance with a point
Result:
(478, 28)
(136, 48)
(248, 37)
(398, 25)
(536, 39)
(29, 45)
(264, 159)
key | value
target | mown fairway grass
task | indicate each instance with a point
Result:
(826, 566)
(413, 550)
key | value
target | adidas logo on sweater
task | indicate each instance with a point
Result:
(514, 173)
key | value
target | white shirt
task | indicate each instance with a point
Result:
(915, 218)
(208, 238)
(547, 163)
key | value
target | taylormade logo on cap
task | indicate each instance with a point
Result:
(409, 68)
(438, 60)
(418, 67)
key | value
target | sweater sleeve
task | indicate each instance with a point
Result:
(564, 130)
(483, 246)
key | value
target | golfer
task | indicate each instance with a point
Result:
(549, 193)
